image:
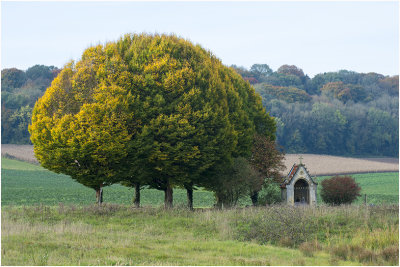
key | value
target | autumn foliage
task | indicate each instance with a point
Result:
(340, 190)
(151, 110)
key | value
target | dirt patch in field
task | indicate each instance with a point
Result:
(316, 164)
(331, 165)
(21, 152)
(385, 160)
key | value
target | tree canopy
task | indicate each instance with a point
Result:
(339, 190)
(333, 113)
(19, 92)
(155, 109)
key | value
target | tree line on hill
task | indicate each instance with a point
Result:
(19, 92)
(337, 113)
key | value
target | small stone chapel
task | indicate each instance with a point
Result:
(298, 187)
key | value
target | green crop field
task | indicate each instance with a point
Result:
(28, 184)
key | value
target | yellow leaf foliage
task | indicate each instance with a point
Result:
(145, 106)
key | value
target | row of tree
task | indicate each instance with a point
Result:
(156, 111)
(371, 84)
(367, 104)
(19, 92)
(331, 127)
(338, 113)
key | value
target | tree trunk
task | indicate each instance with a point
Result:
(254, 198)
(136, 200)
(99, 195)
(218, 205)
(168, 196)
(227, 205)
(189, 192)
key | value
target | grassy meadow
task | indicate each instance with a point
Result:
(122, 235)
(48, 219)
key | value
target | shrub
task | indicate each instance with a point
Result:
(270, 193)
(276, 224)
(309, 248)
(367, 256)
(286, 242)
(342, 252)
(339, 190)
(391, 254)
(235, 182)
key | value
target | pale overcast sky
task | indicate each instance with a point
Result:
(315, 36)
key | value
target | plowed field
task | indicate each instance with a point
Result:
(316, 164)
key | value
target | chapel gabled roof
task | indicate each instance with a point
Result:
(292, 173)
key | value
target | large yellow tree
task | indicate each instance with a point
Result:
(148, 109)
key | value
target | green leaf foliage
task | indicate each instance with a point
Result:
(234, 182)
(19, 92)
(153, 109)
(12, 78)
(333, 113)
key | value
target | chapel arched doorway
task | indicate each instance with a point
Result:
(301, 192)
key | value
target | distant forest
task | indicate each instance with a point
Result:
(337, 113)
(19, 92)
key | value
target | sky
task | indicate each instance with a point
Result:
(317, 37)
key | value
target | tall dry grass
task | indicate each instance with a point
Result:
(369, 235)
(347, 234)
